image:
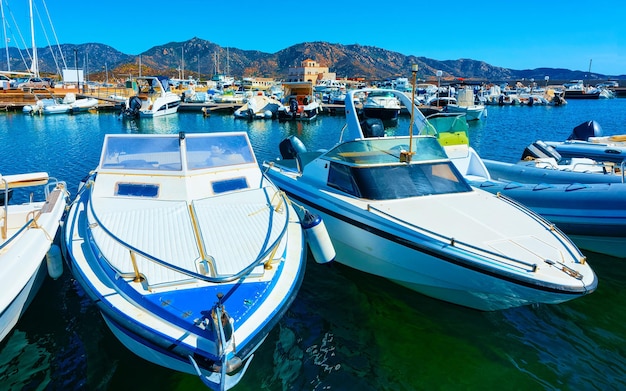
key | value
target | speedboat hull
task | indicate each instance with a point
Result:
(411, 254)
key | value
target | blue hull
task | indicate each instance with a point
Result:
(527, 173)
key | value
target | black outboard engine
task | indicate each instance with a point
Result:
(585, 130)
(134, 104)
(291, 147)
(373, 127)
(293, 107)
(539, 149)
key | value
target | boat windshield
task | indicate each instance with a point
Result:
(397, 181)
(169, 152)
(386, 150)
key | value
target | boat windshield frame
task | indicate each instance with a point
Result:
(175, 152)
(386, 150)
(372, 169)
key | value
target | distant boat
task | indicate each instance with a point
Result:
(381, 104)
(465, 105)
(70, 105)
(299, 102)
(153, 98)
(259, 106)
(576, 89)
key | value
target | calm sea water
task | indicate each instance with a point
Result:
(346, 330)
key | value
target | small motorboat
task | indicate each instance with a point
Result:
(258, 107)
(299, 102)
(397, 207)
(153, 99)
(70, 105)
(381, 104)
(27, 232)
(189, 251)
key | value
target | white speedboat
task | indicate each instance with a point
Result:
(381, 104)
(465, 104)
(191, 254)
(258, 106)
(153, 98)
(70, 105)
(39, 105)
(27, 233)
(397, 207)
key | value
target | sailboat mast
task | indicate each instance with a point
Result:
(35, 66)
(6, 40)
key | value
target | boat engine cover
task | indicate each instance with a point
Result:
(373, 127)
(585, 130)
(291, 147)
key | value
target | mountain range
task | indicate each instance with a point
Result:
(200, 58)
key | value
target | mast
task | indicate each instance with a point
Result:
(6, 40)
(35, 67)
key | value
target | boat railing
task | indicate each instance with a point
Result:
(496, 257)
(260, 260)
(25, 180)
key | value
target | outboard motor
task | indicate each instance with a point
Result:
(585, 130)
(291, 147)
(373, 127)
(134, 104)
(540, 149)
(293, 107)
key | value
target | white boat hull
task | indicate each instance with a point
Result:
(23, 258)
(429, 267)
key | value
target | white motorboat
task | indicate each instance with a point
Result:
(191, 254)
(258, 106)
(70, 105)
(153, 98)
(465, 104)
(27, 231)
(38, 106)
(381, 104)
(397, 207)
(299, 102)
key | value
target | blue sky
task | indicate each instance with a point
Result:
(511, 34)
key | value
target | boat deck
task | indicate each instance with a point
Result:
(203, 238)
